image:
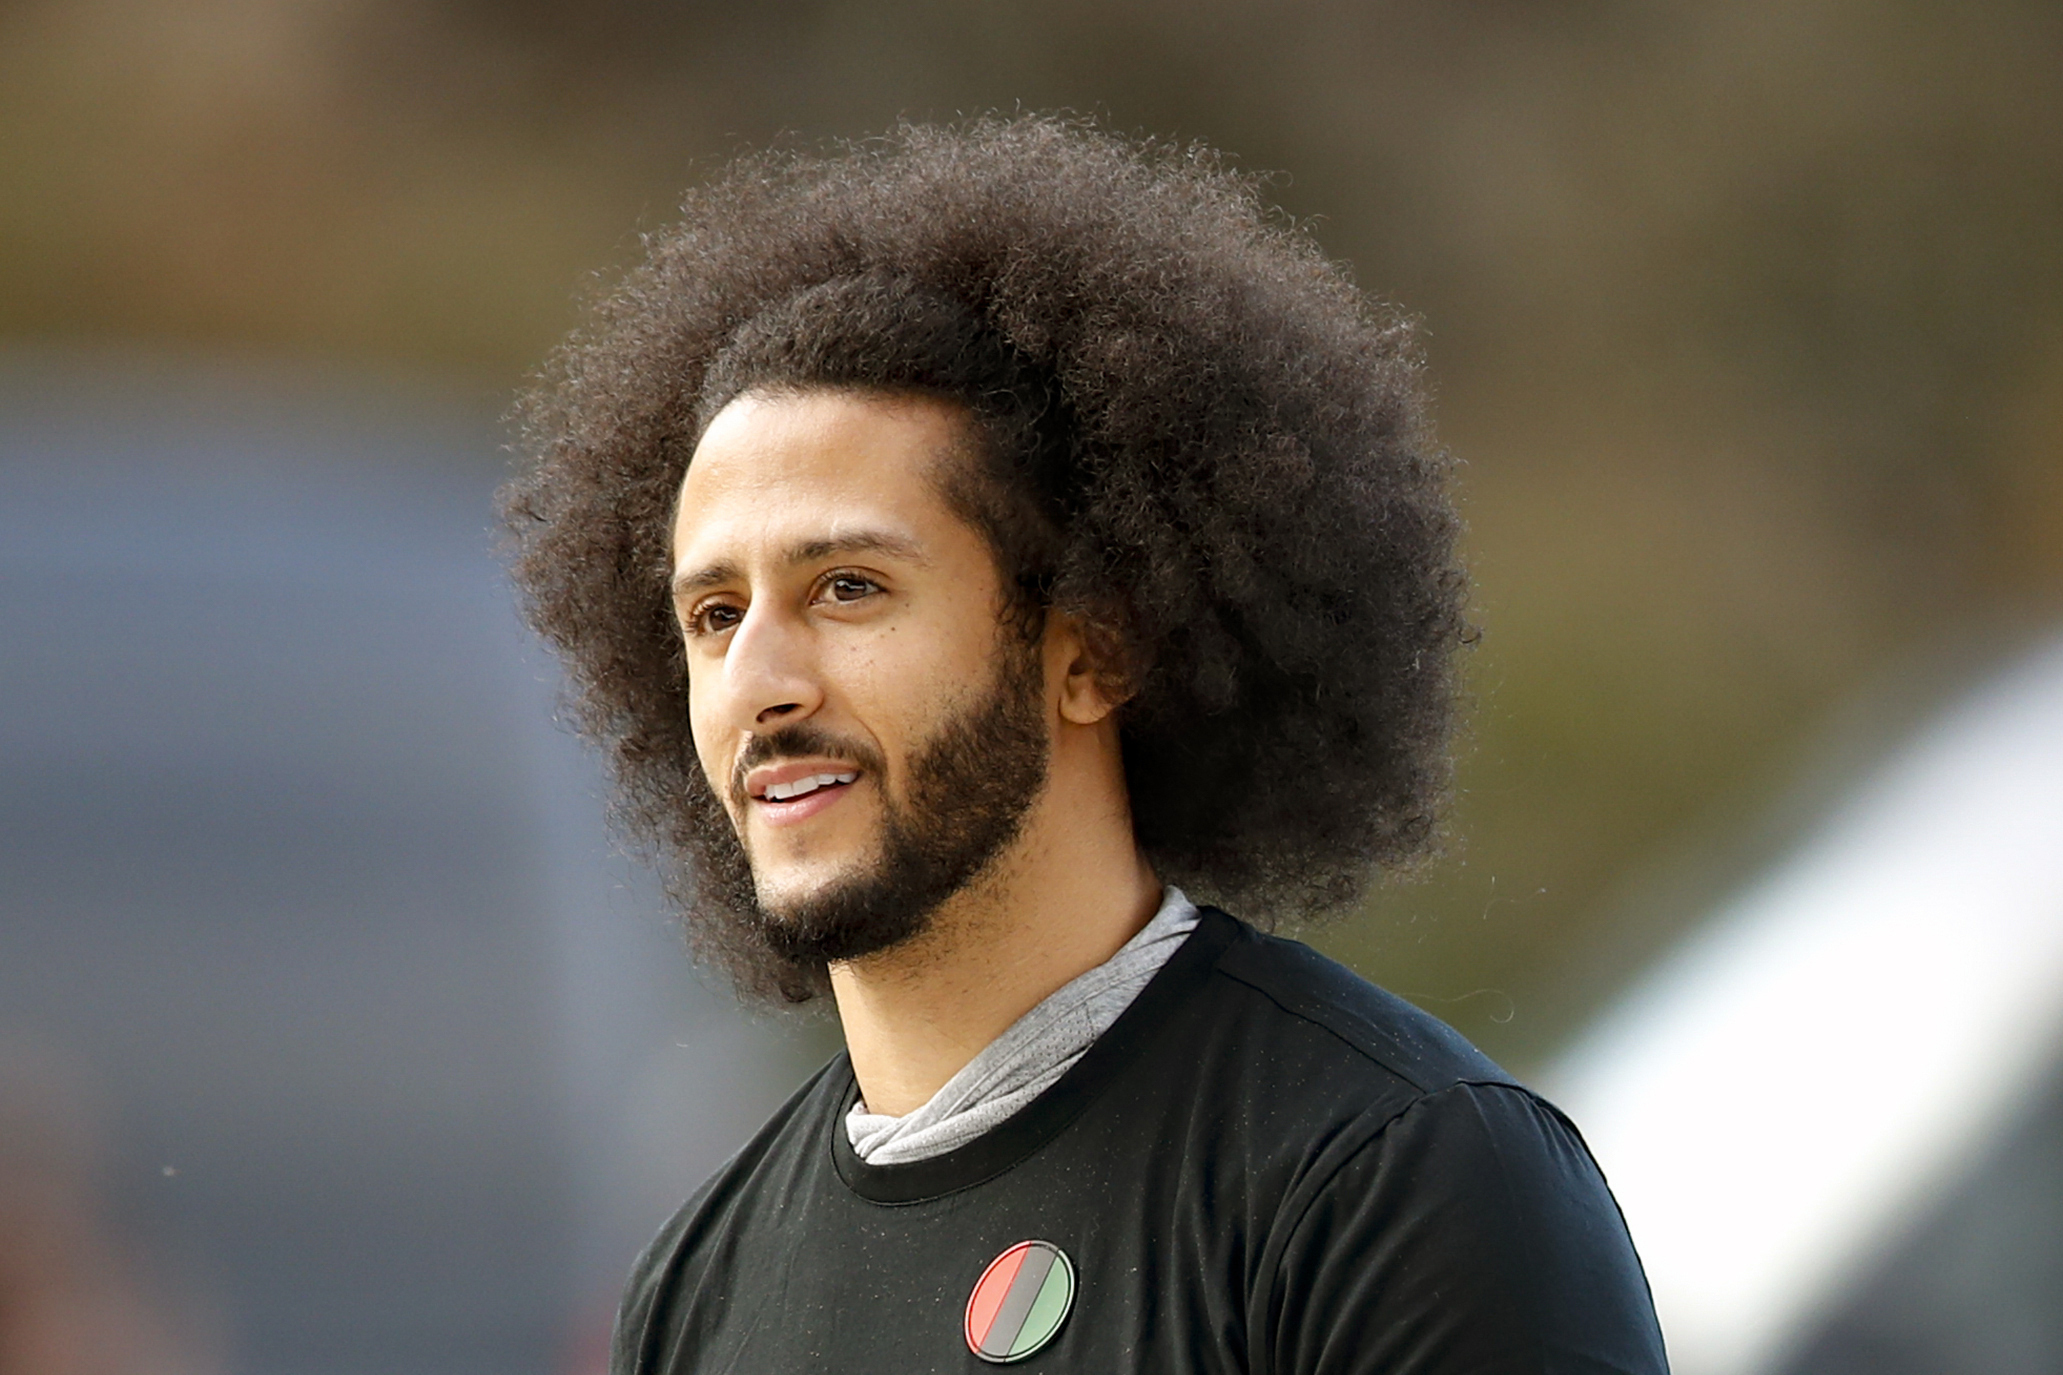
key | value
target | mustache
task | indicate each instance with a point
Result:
(800, 741)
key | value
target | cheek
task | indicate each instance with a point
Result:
(888, 691)
(901, 690)
(707, 742)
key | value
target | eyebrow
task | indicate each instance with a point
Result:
(807, 551)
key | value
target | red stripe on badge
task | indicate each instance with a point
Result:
(990, 1291)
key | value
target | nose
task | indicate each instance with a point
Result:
(769, 672)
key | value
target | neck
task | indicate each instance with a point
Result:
(1068, 893)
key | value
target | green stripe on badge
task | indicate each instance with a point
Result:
(1048, 1310)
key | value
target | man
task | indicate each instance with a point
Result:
(971, 544)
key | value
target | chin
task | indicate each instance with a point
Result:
(788, 892)
(829, 917)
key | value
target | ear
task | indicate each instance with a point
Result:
(1078, 666)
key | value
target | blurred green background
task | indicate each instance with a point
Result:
(1746, 320)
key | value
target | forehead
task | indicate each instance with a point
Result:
(771, 465)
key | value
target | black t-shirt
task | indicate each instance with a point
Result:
(1265, 1165)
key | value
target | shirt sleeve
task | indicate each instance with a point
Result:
(1471, 1235)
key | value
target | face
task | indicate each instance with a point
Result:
(875, 732)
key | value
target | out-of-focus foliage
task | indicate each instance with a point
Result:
(1748, 318)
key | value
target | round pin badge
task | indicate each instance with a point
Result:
(1019, 1302)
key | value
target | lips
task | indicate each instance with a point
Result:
(784, 794)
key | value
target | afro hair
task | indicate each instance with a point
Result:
(1193, 431)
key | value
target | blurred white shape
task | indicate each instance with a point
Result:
(1777, 1099)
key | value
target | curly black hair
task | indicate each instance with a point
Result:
(1191, 430)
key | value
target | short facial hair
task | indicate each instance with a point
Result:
(971, 784)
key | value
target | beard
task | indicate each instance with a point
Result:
(971, 784)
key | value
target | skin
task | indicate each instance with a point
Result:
(820, 575)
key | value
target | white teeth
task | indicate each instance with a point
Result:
(782, 792)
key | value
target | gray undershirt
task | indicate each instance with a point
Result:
(1027, 1058)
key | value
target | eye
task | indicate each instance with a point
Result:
(848, 587)
(711, 618)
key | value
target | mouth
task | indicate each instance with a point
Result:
(795, 792)
(803, 787)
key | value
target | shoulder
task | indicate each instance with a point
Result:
(1296, 1038)
(1399, 1091)
(1372, 1077)
(1470, 1232)
(1346, 1086)
(1452, 1208)
(1366, 1027)
(709, 1213)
